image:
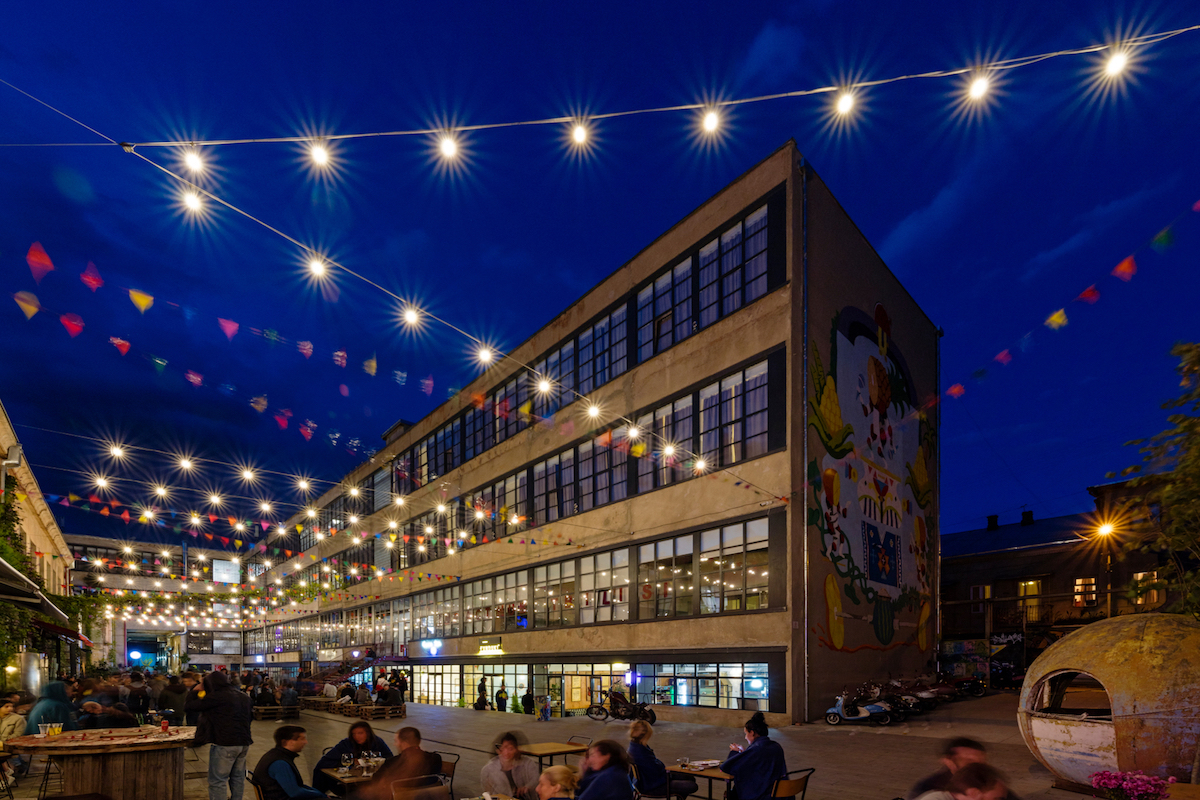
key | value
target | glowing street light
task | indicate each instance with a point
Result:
(1105, 529)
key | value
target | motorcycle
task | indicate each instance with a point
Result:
(874, 713)
(620, 708)
(920, 697)
(970, 685)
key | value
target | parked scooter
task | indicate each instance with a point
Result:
(854, 711)
(921, 697)
(966, 685)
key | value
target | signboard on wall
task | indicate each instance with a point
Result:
(226, 571)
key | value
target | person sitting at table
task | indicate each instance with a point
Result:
(171, 699)
(509, 772)
(757, 766)
(652, 776)
(362, 695)
(606, 773)
(265, 697)
(53, 708)
(557, 780)
(90, 714)
(411, 764)
(12, 725)
(276, 775)
(346, 693)
(361, 739)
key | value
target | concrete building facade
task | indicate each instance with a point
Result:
(710, 483)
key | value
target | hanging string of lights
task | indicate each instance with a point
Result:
(1118, 56)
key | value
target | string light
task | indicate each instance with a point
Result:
(319, 155)
(448, 146)
(265, 506)
(215, 499)
(485, 355)
(543, 386)
(979, 88)
(116, 451)
(193, 161)
(192, 201)
(247, 474)
(161, 491)
(302, 485)
(102, 482)
(593, 411)
(1116, 64)
(185, 463)
(316, 266)
(411, 316)
(845, 103)
(579, 134)
(711, 121)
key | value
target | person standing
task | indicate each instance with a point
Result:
(502, 697)
(276, 775)
(757, 766)
(137, 695)
(191, 685)
(402, 687)
(527, 701)
(225, 714)
(482, 701)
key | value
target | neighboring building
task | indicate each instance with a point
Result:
(56, 646)
(161, 632)
(1009, 591)
(748, 521)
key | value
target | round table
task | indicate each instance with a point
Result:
(118, 762)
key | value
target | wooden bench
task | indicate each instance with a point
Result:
(276, 712)
(350, 709)
(319, 702)
(383, 712)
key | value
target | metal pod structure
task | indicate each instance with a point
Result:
(1149, 667)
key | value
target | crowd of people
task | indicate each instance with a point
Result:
(220, 705)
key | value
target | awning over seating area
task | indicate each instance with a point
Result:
(16, 588)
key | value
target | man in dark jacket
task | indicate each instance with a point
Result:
(389, 696)
(225, 724)
(276, 775)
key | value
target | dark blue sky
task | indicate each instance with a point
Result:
(991, 223)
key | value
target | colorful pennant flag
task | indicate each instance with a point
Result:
(39, 261)
(142, 300)
(28, 303)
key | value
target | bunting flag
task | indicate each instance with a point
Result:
(39, 261)
(1126, 269)
(1056, 320)
(28, 303)
(228, 327)
(141, 300)
(121, 345)
(73, 323)
(91, 277)
(1089, 295)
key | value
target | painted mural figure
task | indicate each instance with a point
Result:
(872, 488)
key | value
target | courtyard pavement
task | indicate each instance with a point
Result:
(851, 761)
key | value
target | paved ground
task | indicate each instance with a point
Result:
(852, 761)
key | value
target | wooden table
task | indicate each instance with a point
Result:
(118, 762)
(349, 779)
(548, 750)
(711, 773)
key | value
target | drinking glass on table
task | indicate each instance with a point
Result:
(347, 762)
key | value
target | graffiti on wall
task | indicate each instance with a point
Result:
(872, 489)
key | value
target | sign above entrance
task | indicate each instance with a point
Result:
(431, 646)
(490, 647)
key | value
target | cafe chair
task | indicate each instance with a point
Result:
(789, 786)
(583, 740)
(449, 765)
(638, 793)
(258, 794)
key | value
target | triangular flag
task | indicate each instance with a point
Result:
(370, 365)
(39, 261)
(28, 303)
(229, 327)
(73, 323)
(1056, 320)
(1163, 239)
(142, 300)
(305, 348)
(957, 390)
(1126, 269)
(91, 277)
(1089, 295)
(212, 518)
(121, 345)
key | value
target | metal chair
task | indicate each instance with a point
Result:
(258, 792)
(633, 772)
(5, 787)
(787, 786)
(449, 765)
(584, 740)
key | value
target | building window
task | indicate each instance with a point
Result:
(664, 313)
(734, 562)
(1145, 596)
(602, 351)
(554, 488)
(666, 584)
(737, 685)
(480, 435)
(1085, 592)
(554, 595)
(512, 601)
(603, 585)
(980, 593)
(559, 369)
(733, 417)
(508, 405)
(477, 607)
(733, 268)
(673, 423)
(381, 487)
(602, 470)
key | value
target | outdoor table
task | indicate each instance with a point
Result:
(118, 762)
(711, 773)
(548, 750)
(349, 779)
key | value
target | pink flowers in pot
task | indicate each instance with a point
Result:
(1134, 785)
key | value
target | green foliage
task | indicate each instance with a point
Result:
(1166, 504)
(14, 619)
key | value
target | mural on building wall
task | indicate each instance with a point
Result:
(872, 489)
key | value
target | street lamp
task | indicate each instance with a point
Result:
(1105, 532)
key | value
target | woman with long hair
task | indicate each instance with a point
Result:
(360, 739)
(652, 776)
(606, 773)
(757, 766)
(558, 780)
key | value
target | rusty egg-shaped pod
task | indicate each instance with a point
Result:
(1149, 667)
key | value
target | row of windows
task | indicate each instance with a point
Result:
(725, 421)
(716, 571)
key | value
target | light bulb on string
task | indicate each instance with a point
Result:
(485, 355)
(316, 266)
(448, 146)
(711, 121)
(319, 154)
(411, 315)
(193, 161)
(978, 88)
(1116, 64)
(543, 385)
(845, 103)
(185, 463)
(191, 201)
(161, 491)
(247, 474)
(116, 451)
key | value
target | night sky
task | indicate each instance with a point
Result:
(992, 220)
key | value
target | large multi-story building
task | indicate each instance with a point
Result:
(711, 481)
